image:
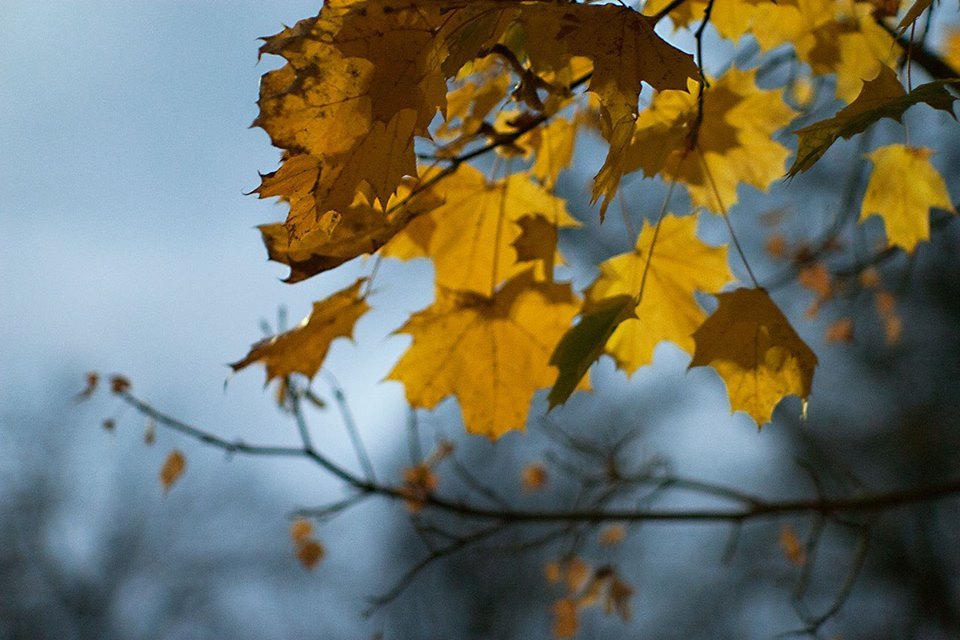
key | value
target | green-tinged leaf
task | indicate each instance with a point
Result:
(882, 97)
(583, 344)
(915, 12)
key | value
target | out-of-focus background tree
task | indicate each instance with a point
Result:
(128, 245)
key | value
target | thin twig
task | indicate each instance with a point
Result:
(411, 573)
(346, 415)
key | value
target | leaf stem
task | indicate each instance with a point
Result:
(726, 217)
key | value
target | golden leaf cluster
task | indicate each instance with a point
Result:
(385, 111)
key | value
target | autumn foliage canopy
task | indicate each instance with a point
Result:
(388, 114)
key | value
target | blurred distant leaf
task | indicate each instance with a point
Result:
(310, 553)
(92, 379)
(173, 468)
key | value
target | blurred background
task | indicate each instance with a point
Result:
(129, 246)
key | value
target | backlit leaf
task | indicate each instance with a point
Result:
(304, 348)
(758, 354)
(735, 139)
(362, 229)
(492, 353)
(471, 237)
(903, 187)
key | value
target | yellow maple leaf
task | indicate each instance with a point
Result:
(304, 348)
(680, 266)
(735, 138)
(469, 104)
(758, 354)
(471, 237)
(903, 186)
(491, 352)
(537, 241)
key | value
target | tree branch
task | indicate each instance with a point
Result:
(756, 508)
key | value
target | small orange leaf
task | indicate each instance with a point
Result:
(173, 468)
(816, 277)
(92, 379)
(840, 331)
(777, 246)
(869, 278)
(613, 535)
(534, 477)
(552, 572)
(119, 384)
(885, 303)
(300, 530)
(418, 483)
(310, 553)
(792, 547)
(564, 618)
(577, 574)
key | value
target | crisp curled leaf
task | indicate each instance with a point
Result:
(903, 187)
(361, 230)
(361, 80)
(304, 348)
(583, 344)
(492, 353)
(758, 354)
(882, 97)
